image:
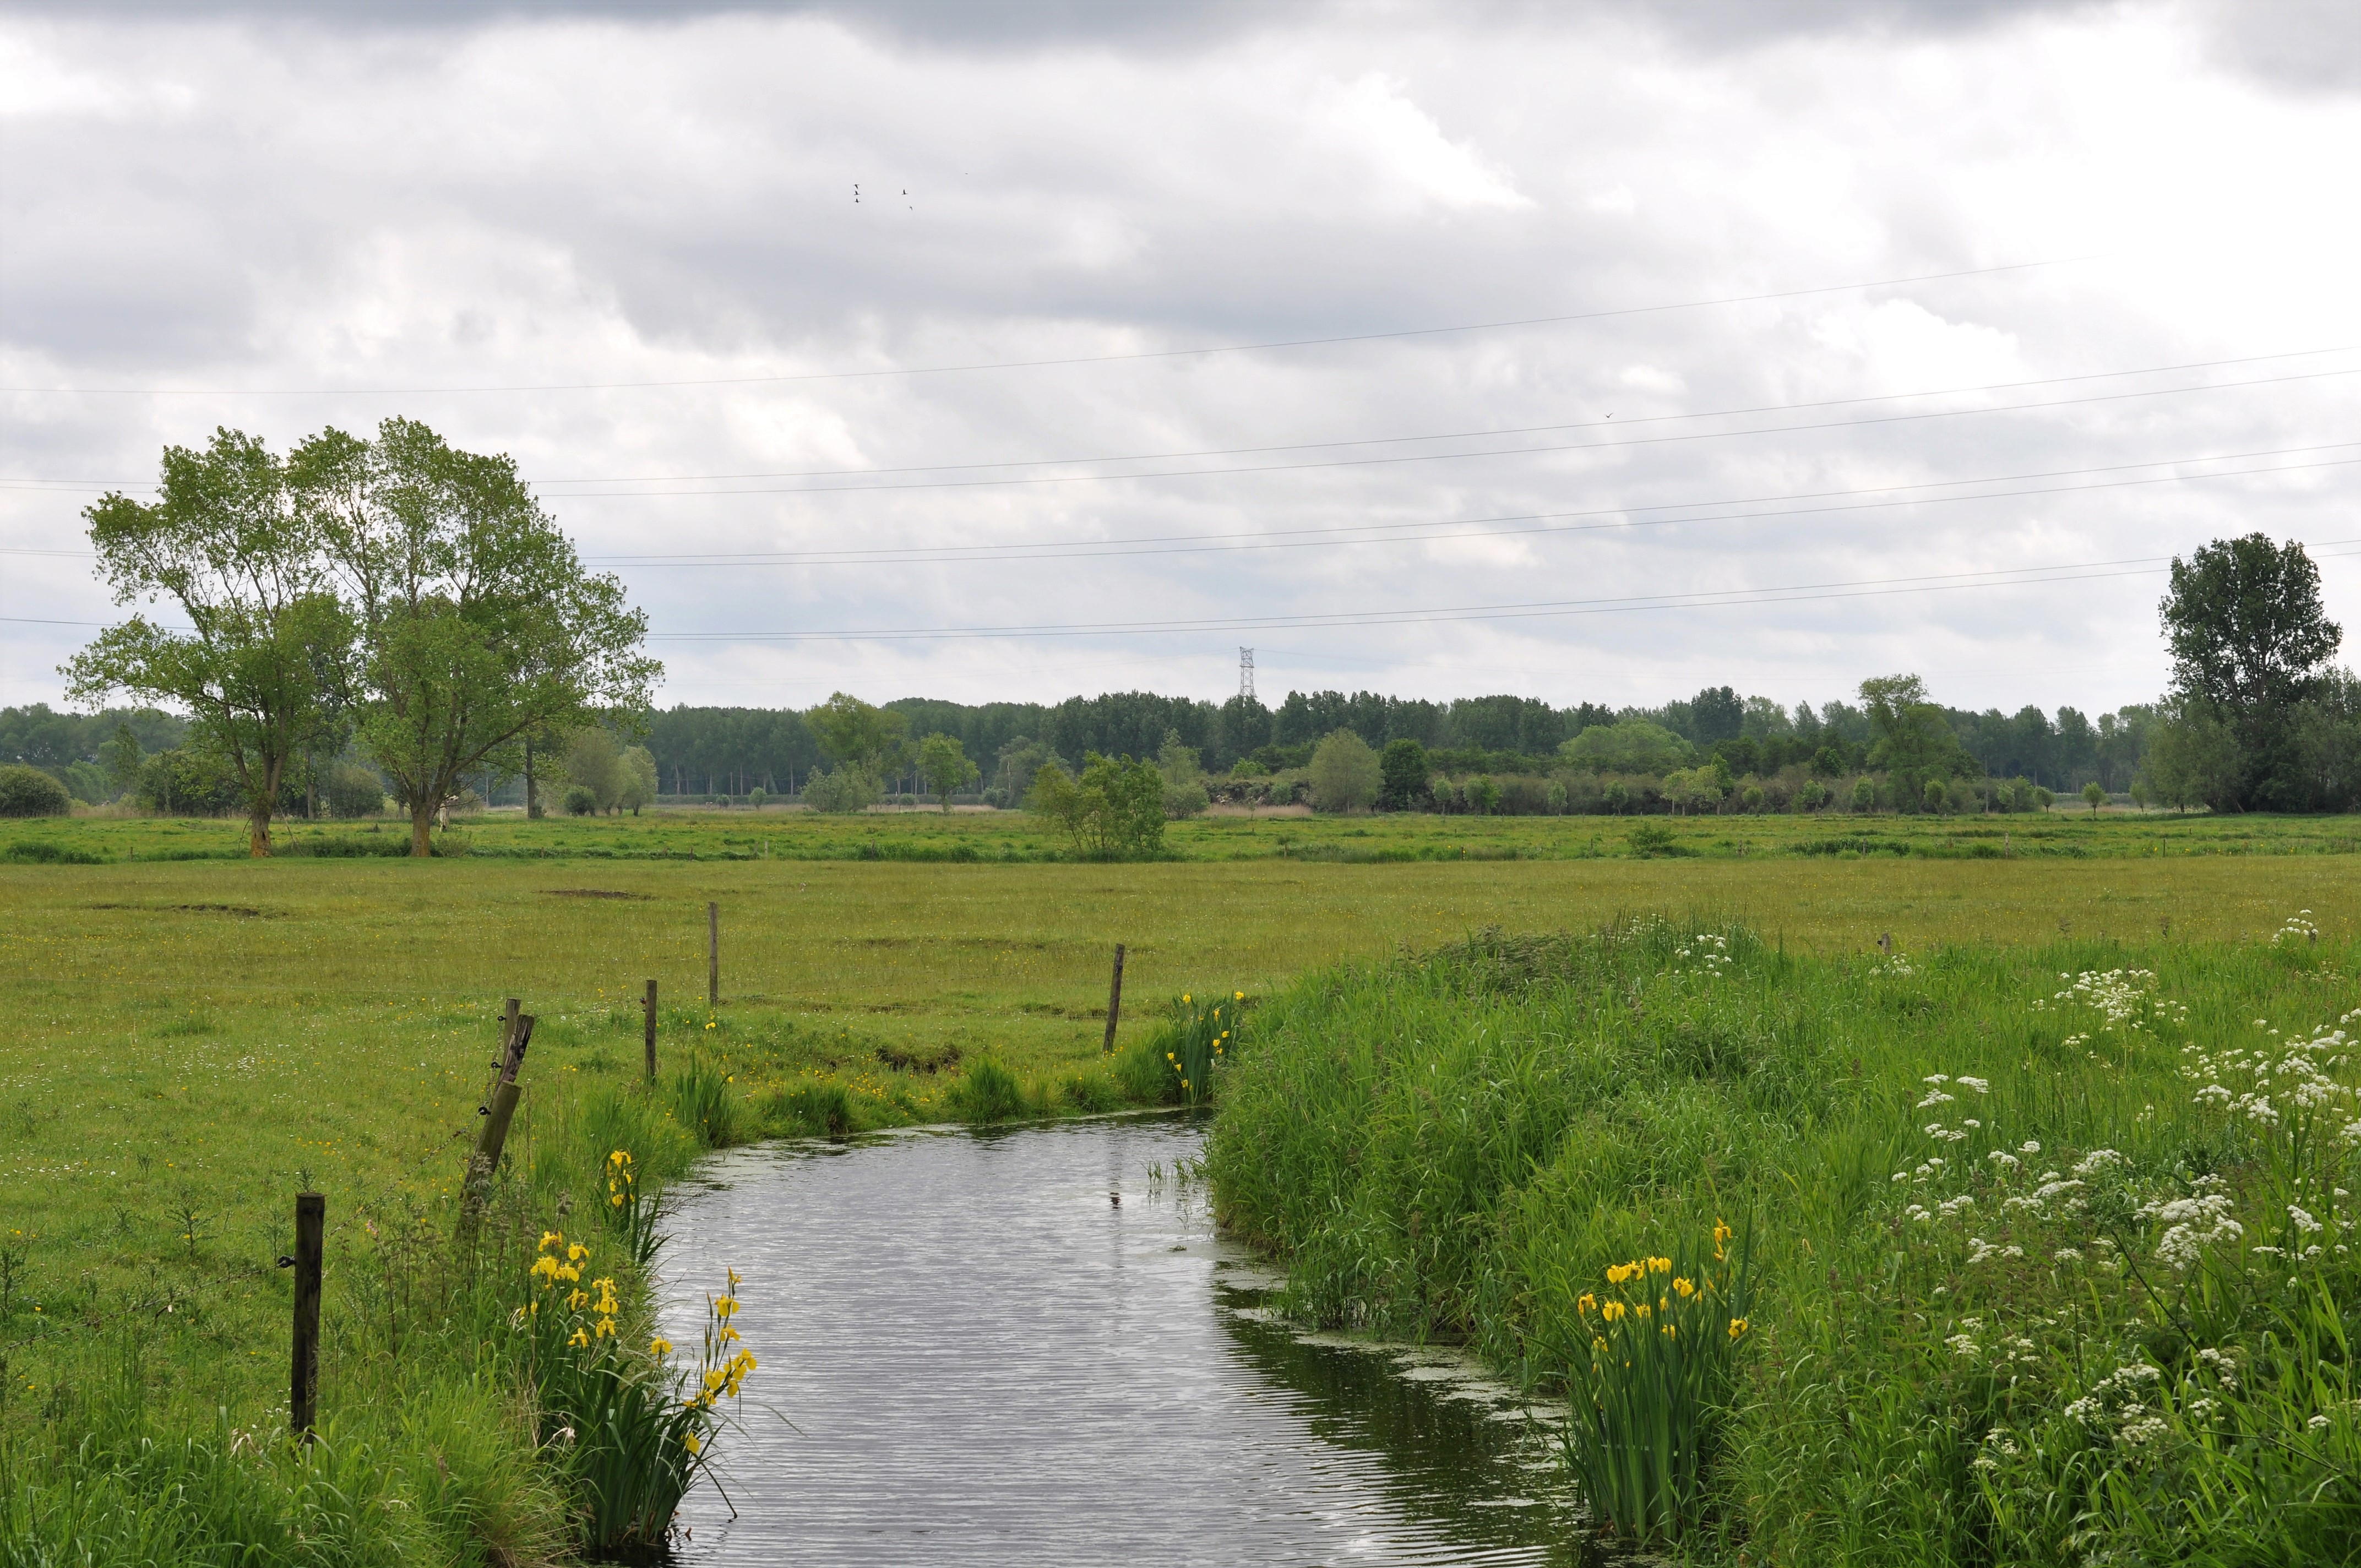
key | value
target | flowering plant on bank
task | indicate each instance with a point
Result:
(1646, 1393)
(2110, 1328)
(630, 1429)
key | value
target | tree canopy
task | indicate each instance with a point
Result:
(480, 625)
(267, 657)
(2249, 637)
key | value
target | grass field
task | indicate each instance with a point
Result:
(705, 834)
(192, 1040)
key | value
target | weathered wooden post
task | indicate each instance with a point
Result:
(712, 957)
(1114, 1001)
(650, 1006)
(1885, 942)
(498, 1113)
(303, 1381)
(500, 1062)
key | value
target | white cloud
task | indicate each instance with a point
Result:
(1398, 144)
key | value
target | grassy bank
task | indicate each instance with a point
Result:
(2048, 1243)
(1001, 838)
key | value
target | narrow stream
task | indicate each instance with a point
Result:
(1020, 1347)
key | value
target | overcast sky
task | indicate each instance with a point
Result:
(623, 244)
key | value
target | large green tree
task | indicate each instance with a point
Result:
(1345, 774)
(478, 623)
(1916, 742)
(943, 763)
(2248, 636)
(268, 647)
(858, 736)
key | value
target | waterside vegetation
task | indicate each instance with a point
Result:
(2047, 1250)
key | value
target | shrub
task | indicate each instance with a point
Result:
(1114, 812)
(1651, 840)
(581, 800)
(844, 792)
(28, 792)
(1345, 774)
(756, 797)
(351, 790)
(1864, 796)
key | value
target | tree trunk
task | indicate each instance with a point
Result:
(257, 834)
(531, 791)
(422, 826)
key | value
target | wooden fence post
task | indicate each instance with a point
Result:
(1114, 1001)
(303, 1382)
(652, 1031)
(712, 957)
(500, 1062)
(498, 1113)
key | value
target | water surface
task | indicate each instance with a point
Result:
(1017, 1347)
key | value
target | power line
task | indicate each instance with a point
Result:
(1036, 364)
(1724, 598)
(1397, 533)
(1446, 436)
(2018, 576)
(1494, 433)
(1456, 528)
(43, 487)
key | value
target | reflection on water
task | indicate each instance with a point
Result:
(1017, 1348)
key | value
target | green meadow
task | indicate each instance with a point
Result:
(926, 835)
(196, 1036)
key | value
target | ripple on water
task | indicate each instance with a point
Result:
(986, 1361)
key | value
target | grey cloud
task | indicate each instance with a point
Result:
(2310, 44)
(564, 202)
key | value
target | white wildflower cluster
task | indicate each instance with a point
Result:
(2192, 1224)
(1896, 967)
(1935, 1095)
(1707, 955)
(2222, 1364)
(2280, 1079)
(2299, 928)
(1997, 1445)
(2125, 999)
(2124, 1405)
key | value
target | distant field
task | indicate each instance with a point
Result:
(708, 834)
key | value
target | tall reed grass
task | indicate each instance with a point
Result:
(2056, 1259)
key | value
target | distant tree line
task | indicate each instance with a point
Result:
(2255, 720)
(728, 752)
